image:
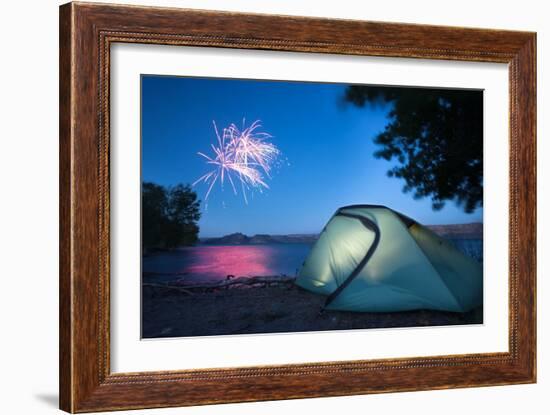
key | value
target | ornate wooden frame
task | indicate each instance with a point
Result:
(86, 33)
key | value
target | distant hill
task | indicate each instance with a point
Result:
(242, 239)
(458, 231)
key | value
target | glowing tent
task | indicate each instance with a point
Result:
(371, 258)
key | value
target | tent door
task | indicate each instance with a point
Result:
(369, 224)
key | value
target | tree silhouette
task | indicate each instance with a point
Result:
(169, 216)
(436, 136)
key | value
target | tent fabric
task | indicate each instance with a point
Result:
(369, 258)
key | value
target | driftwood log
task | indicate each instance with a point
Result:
(191, 287)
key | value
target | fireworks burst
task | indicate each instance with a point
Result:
(240, 157)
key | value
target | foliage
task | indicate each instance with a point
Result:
(436, 136)
(169, 216)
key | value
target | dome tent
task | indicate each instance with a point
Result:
(370, 258)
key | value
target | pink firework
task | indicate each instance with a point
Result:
(240, 156)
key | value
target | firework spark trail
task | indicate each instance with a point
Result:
(252, 148)
(240, 155)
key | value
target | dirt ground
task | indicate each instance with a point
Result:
(171, 313)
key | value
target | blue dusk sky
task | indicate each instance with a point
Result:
(327, 151)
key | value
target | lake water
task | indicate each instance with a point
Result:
(470, 247)
(213, 262)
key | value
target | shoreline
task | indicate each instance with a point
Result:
(265, 307)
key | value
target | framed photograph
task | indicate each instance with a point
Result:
(260, 207)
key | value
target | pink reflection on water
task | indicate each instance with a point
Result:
(216, 262)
